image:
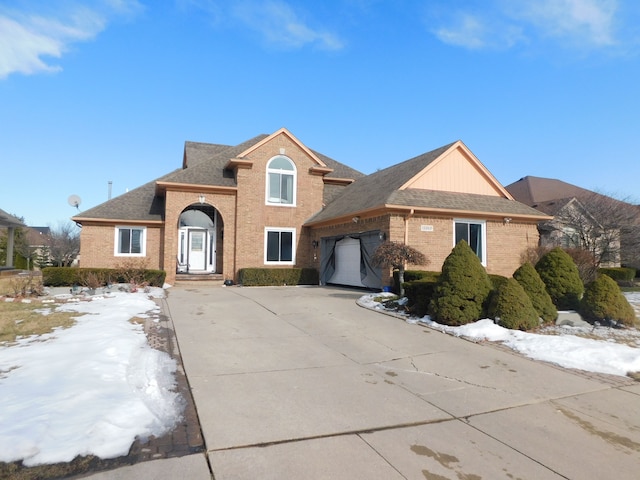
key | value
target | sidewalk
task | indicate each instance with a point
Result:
(300, 382)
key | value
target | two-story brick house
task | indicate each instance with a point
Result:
(272, 201)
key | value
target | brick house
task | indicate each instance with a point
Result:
(582, 219)
(273, 202)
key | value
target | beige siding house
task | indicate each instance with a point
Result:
(274, 202)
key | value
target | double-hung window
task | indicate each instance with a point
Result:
(279, 246)
(130, 241)
(281, 181)
(474, 233)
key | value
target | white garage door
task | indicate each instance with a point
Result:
(347, 263)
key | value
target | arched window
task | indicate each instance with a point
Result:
(281, 181)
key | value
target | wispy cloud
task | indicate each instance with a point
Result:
(283, 26)
(582, 24)
(29, 40)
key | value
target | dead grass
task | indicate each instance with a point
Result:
(24, 319)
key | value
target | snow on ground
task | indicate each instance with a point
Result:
(88, 389)
(608, 351)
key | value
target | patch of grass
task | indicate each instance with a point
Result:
(24, 319)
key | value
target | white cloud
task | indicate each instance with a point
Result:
(467, 31)
(280, 25)
(589, 22)
(27, 39)
(583, 24)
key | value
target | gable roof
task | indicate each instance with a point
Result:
(388, 188)
(537, 190)
(203, 164)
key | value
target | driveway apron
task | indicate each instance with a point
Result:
(301, 382)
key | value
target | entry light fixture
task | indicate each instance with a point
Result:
(201, 199)
(507, 220)
(314, 244)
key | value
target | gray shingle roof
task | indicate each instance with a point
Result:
(205, 165)
(141, 203)
(382, 188)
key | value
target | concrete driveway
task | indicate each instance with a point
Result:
(301, 383)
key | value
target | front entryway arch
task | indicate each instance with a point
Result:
(199, 239)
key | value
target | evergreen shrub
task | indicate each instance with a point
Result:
(255, 277)
(419, 293)
(603, 300)
(622, 275)
(513, 307)
(527, 276)
(562, 280)
(67, 276)
(462, 289)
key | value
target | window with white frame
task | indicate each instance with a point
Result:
(281, 181)
(130, 241)
(279, 246)
(474, 233)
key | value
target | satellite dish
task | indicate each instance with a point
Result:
(74, 201)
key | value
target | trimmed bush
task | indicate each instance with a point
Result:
(462, 289)
(411, 275)
(260, 277)
(496, 282)
(622, 275)
(527, 276)
(513, 307)
(561, 278)
(603, 300)
(419, 293)
(66, 276)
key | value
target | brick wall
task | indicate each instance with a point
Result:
(97, 243)
(254, 215)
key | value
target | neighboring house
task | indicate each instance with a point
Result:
(38, 242)
(274, 202)
(582, 219)
(10, 223)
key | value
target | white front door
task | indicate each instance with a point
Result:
(197, 241)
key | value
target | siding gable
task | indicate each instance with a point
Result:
(457, 170)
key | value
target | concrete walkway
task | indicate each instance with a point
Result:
(301, 383)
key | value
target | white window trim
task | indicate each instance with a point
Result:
(143, 241)
(483, 260)
(294, 173)
(293, 245)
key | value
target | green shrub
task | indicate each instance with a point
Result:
(622, 275)
(66, 276)
(411, 275)
(419, 293)
(527, 276)
(561, 278)
(513, 307)
(603, 300)
(462, 289)
(254, 277)
(496, 282)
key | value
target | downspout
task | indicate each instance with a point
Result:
(407, 217)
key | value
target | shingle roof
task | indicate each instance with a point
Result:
(537, 190)
(141, 203)
(382, 188)
(205, 165)
(374, 190)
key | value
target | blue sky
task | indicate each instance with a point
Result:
(109, 90)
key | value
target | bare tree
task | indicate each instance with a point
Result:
(397, 255)
(607, 228)
(64, 244)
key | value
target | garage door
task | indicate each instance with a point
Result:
(347, 263)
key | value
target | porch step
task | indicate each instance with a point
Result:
(200, 279)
